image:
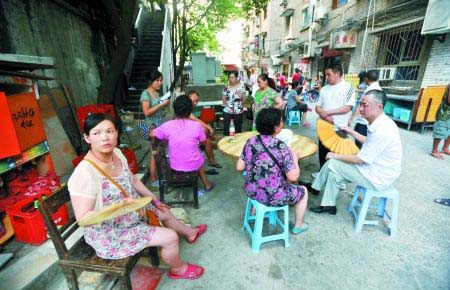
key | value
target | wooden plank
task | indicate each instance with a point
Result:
(25, 75)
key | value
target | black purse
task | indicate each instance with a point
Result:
(249, 114)
(271, 156)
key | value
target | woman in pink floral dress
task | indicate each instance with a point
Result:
(128, 234)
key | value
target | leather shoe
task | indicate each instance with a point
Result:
(308, 186)
(324, 209)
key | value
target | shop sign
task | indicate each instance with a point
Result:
(343, 39)
(326, 52)
(303, 64)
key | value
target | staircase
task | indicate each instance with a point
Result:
(147, 57)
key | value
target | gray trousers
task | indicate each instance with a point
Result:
(332, 173)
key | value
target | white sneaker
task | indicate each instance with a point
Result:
(154, 184)
(342, 186)
(315, 174)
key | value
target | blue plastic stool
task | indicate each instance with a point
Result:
(262, 212)
(294, 117)
(367, 195)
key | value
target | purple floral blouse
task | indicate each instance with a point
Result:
(264, 179)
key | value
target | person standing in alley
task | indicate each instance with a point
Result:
(441, 130)
(370, 82)
(233, 97)
(335, 104)
(153, 110)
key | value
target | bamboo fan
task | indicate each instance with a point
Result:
(335, 141)
(114, 210)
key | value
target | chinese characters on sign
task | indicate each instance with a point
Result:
(343, 39)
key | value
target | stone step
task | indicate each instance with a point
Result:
(132, 103)
(148, 54)
(37, 265)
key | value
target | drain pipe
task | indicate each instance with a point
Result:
(363, 48)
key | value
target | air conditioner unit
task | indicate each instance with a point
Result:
(321, 13)
(308, 51)
(387, 73)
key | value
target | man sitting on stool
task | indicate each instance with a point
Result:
(375, 167)
(295, 103)
(209, 130)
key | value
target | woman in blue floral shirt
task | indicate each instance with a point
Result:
(270, 182)
(233, 97)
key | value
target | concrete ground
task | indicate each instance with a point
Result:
(328, 256)
(331, 255)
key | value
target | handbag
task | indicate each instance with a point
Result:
(249, 114)
(271, 156)
(152, 218)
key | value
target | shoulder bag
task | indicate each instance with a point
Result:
(271, 156)
(152, 218)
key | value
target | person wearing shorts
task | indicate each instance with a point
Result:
(441, 130)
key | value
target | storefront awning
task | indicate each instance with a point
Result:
(437, 18)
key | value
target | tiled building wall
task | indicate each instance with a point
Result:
(437, 71)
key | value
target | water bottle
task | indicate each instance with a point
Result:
(232, 131)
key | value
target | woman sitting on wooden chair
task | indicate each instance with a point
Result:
(184, 137)
(127, 234)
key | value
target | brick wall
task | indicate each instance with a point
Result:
(437, 71)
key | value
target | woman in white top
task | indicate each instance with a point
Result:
(127, 234)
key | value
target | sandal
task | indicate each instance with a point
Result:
(437, 155)
(211, 171)
(201, 230)
(211, 187)
(297, 230)
(215, 165)
(443, 201)
(192, 272)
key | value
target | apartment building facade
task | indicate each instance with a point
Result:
(360, 35)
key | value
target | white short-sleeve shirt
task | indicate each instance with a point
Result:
(336, 96)
(86, 181)
(381, 153)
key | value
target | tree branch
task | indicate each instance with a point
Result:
(201, 16)
(113, 14)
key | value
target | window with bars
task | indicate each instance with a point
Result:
(402, 47)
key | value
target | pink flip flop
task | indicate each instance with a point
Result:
(201, 230)
(190, 274)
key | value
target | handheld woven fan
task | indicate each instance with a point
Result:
(114, 210)
(335, 141)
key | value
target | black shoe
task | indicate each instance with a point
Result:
(324, 209)
(308, 186)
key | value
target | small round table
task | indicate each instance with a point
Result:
(301, 145)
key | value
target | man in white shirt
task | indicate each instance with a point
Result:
(375, 167)
(335, 102)
(371, 80)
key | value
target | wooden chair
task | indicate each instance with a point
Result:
(82, 257)
(169, 177)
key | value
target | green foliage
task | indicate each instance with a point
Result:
(223, 78)
(219, 13)
(249, 6)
